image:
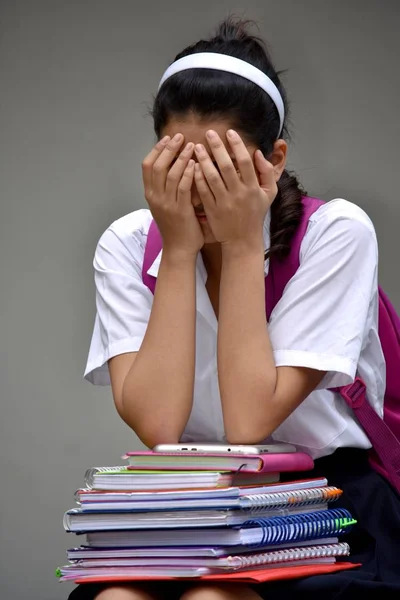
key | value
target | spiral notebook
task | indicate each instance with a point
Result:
(88, 552)
(88, 494)
(310, 555)
(254, 532)
(121, 478)
(320, 553)
(261, 500)
(79, 521)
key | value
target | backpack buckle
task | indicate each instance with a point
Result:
(355, 393)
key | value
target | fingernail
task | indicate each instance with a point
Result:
(197, 167)
(232, 134)
(189, 147)
(199, 148)
(211, 135)
(178, 137)
(259, 154)
(164, 140)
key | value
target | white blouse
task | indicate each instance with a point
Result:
(327, 319)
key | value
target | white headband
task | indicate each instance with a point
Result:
(230, 64)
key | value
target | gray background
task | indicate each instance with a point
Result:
(76, 81)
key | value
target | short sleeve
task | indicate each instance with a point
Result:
(321, 321)
(123, 303)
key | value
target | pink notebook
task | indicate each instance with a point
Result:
(245, 463)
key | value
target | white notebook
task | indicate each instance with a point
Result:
(119, 478)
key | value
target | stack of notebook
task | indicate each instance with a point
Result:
(163, 516)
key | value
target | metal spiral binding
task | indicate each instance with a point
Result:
(90, 473)
(290, 554)
(276, 500)
(313, 525)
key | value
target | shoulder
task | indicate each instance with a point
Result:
(340, 223)
(340, 209)
(128, 233)
(134, 224)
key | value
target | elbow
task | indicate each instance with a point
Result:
(249, 426)
(151, 432)
(248, 430)
(149, 429)
(152, 438)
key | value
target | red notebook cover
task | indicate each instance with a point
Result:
(255, 576)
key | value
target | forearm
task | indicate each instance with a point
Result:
(158, 390)
(246, 367)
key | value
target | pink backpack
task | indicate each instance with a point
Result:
(384, 434)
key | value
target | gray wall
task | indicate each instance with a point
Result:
(76, 79)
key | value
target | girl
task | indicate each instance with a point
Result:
(197, 361)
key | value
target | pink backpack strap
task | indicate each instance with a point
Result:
(383, 440)
(151, 251)
(281, 271)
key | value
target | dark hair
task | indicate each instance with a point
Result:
(216, 94)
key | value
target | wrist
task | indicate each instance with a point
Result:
(178, 257)
(243, 249)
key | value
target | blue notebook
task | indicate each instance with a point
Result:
(254, 532)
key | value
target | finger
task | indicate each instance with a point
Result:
(206, 195)
(163, 163)
(175, 173)
(266, 172)
(243, 158)
(149, 160)
(185, 184)
(223, 160)
(210, 172)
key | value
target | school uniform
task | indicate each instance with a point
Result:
(327, 319)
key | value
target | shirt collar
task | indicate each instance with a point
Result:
(153, 270)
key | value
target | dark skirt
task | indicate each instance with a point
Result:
(374, 541)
